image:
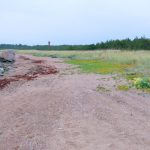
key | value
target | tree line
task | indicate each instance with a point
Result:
(125, 44)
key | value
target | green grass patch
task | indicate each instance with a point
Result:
(123, 87)
(100, 66)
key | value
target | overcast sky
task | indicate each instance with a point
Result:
(72, 21)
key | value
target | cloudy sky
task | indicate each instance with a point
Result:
(72, 21)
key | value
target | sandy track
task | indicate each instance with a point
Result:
(66, 112)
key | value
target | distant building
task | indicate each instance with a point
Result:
(49, 43)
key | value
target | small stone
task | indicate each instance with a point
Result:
(1, 71)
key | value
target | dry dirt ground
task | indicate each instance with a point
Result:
(70, 110)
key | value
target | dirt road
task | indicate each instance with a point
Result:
(71, 111)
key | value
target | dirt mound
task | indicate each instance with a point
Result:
(38, 61)
(32, 61)
(24, 58)
(5, 82)
(30, 75)
(42, 70)
(24, 77)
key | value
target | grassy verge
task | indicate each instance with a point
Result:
(100, 66)
(130, 64)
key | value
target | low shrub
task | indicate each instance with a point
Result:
(142, 83)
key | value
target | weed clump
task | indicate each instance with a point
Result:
(141, 83)
(133, 75)
(102, 89)
(123, 87)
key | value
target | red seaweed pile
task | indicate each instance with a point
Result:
(33, 73)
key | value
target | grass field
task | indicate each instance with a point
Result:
(130, 63)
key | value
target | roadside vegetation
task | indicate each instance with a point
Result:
(125, 44)
(132, 65)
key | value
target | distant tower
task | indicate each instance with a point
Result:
(49, 43)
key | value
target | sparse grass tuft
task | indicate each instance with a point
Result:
(133, 75)
(102, 89)
(123, 87)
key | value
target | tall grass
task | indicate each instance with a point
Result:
(139, 60)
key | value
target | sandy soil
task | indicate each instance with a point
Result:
(71, 111)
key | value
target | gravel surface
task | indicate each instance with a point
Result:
(67, 111)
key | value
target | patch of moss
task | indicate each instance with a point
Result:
(147, 90)
(123, 87)
(100, 66)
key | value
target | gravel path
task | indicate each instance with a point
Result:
(66, 111)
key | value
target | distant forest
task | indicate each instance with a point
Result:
(126, 44)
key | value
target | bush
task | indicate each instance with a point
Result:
(142, 83)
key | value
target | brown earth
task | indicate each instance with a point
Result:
(68, 110)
